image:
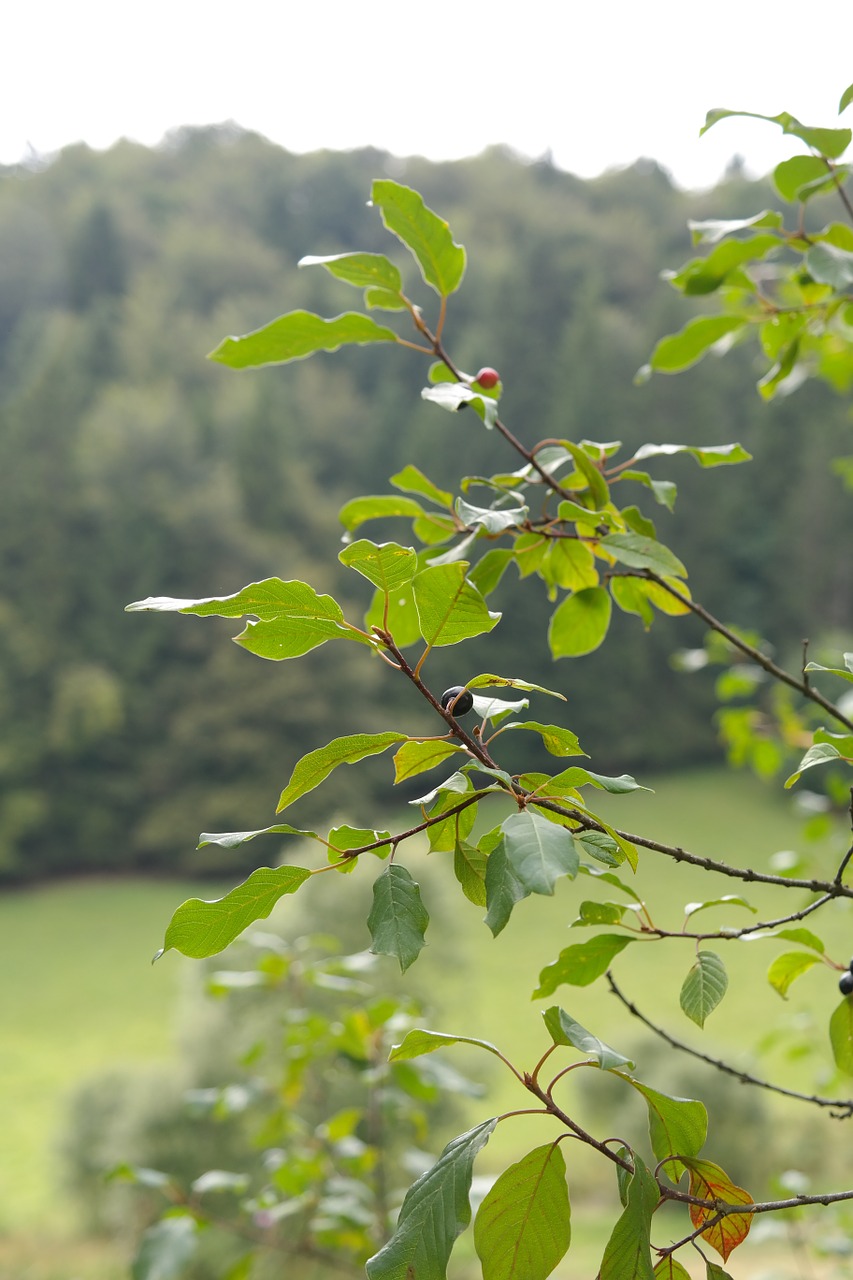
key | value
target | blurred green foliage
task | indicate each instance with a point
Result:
(130, 466)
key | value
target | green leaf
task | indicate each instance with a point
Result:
(364, 270)
(591, 473)
(595, 913)
(441, 260)
(677, 1126)
(582, 964)
(607, 877)
(641, 552)
(412, 480)
(167, 1248)
(419, 1041)
(443, 835)
(388, 566)
(722, 265)
(436, 1209)
(704, 987)
(231, 839)
(297, 335)
(627, 1255)
(449, 608)
(669, 1268)
(780, 370)
(486, 680)
(578, 777)
(680, 350)
(846, 673)
(344, 838)
(523, 1226)
(787, 967)
(469, 867)
(714, 455)
(713, 1271)
(397, 613)
(454, 396)
(665, 492)
(489, 569)
(487, 518)
(791, 175)
(456, 784)
(569, 564)
(713, 230)
(846, 99)
(503, 889)
(829, 142)
(383, 300)
(293, 618)
(819, 753)
(283, 638)
(199, 929)
(727, 900)
(579, 625)
(556, 741)
(265, 600)
(416, 757)
(841, 1036)
(538, 852)
(803, 936)
(634, 595)
(317, 765)
(563, 1029)
(830, 265)
(377, 507)
(219, 1180)
(398, 919)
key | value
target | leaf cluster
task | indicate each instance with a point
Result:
(558, 516)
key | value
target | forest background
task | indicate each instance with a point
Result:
(129, 466)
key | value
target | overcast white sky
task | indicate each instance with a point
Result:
(597, 83)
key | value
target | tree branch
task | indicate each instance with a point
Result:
(839, 1108)
(802, 686)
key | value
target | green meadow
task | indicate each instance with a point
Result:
(78, 993)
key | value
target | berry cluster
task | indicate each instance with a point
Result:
(845, 982)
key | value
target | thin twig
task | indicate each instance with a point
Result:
(840, 1108)
(833, 888)
(802, 686)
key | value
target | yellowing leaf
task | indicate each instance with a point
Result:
(710, 1182)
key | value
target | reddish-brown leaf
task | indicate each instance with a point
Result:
(710, 1182)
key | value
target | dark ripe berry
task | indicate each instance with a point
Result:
(464, 703)
(845, 983)
(487, 378)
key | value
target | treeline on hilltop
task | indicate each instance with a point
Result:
(130, 466)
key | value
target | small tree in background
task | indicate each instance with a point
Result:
(565, 511)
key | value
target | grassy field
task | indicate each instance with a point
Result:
(78, 993)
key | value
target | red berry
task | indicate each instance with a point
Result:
(488, 378)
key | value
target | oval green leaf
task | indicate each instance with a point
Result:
(523, 1226)
(199, 929)
(579, 625)
(424, 233)
(704, 987)
(297, 335)
(317, 765)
